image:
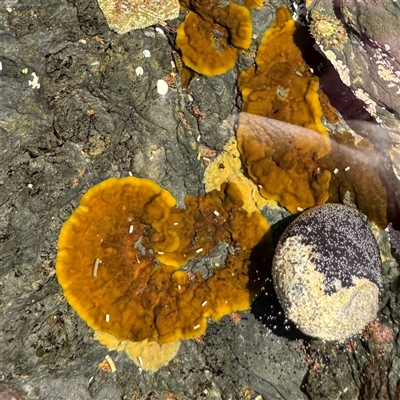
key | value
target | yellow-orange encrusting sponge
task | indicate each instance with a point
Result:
(108, 268)
(210, 41)
(104, 271)
(253, 4)
(280, 157)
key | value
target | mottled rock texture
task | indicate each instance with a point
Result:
(94, 117)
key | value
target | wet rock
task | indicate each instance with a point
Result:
(367, 53)
(367, 57)
(92, 117)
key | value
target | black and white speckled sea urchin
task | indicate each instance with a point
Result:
(327, 272)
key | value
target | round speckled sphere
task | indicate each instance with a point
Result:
(327, 272)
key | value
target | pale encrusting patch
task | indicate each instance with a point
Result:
(326, 272)
(125, 15)
(148, 355)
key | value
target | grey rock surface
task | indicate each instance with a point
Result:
(368, 59)
(93, 117)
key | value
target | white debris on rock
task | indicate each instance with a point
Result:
(34, 82)
(340, 67)
(162, 87)
(139, 71)
(370, 104)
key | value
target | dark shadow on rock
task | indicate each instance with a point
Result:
(340, 95)
(266, 307)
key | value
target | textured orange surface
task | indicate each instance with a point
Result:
(125, 223)
(252, 4)
(210, 40)
(282, 158)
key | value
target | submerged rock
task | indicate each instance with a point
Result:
(327, 272)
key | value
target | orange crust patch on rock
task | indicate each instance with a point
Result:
(114, 250)
(210, 41)
(281, 156)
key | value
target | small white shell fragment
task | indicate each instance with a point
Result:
(110, 363)
(24, 70)
(162, 87)
(83, 41)
(300, 209)
(179, 287)
(139, 71)
(107, 317)
(347, 168)
(1, 65)
(204, 303)
(131, 229)
(196, 326)
(30, 186)
(96, 267)
(159, 30)
(146, 53)
(9, 9)
(199, 250)
(336, 170)
(175, 223)
(34, 82)
(140, 360)
(215, 212)
(160, 252)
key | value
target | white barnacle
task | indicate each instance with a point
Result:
(139, 71)
(162, 87)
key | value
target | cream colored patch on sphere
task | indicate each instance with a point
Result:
(301, 292)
